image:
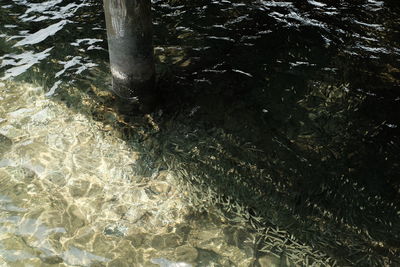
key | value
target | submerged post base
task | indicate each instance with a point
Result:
(129, 33)
(140, 95)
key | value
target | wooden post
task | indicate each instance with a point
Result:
(130, 45)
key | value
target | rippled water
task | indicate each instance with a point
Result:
(277, 142)
(69, 195)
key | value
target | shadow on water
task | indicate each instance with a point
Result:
(288, 121)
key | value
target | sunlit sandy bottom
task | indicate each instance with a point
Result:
(69, 196)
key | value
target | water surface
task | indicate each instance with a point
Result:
(279, 115)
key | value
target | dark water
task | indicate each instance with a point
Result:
(289, 108)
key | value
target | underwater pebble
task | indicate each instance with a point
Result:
(161, 187)
(57, 178)
(209, 234)
(165, 241)
(79, 188)
(167, 263)
(5, 144)
(134, 214)
(186, 254)
(51, 259)
(269, 261)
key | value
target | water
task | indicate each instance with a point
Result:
(277, 144)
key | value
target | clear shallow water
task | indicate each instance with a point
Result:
(283, 111)
(70, 196)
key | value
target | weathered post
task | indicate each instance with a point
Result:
(130, 45)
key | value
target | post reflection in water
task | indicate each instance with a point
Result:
(277, 143)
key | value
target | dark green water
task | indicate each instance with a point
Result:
(288, 109)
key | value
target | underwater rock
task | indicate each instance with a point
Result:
(161, 188)
(5, 144)
(210, 258)
(269, 261)
(53, 259)
(78, 257)
(165, 241)
(186, 253)
(167, 263)
(57, 178)
(115, 230)
(79, 188)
